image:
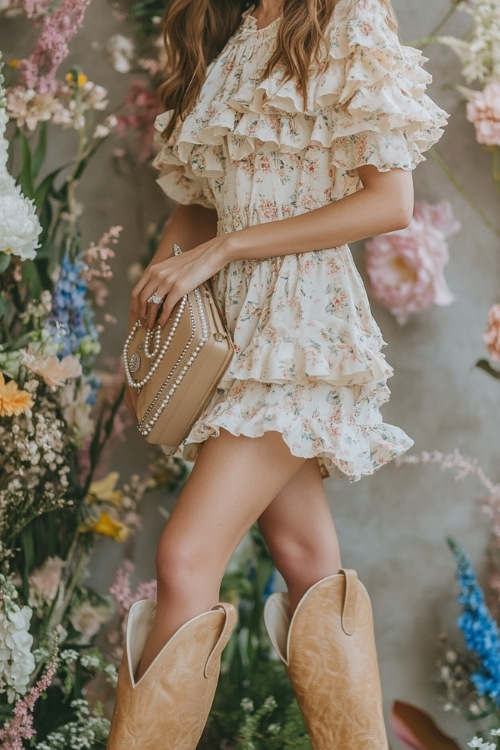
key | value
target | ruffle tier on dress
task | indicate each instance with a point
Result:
(308, 359)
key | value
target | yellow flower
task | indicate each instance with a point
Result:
(107, 526)
(13, 401)
(13, 63)
(104, 489)
(79, 79)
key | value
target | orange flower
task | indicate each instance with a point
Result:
(13, 401)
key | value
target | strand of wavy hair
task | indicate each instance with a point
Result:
(196, 31)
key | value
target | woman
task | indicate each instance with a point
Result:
(292, 130)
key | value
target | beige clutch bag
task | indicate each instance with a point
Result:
(176, 369)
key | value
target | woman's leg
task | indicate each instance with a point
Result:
(299, 531)
(233, 481)
(328, 647)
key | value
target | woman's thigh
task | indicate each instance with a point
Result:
(299, 529)
(233, 481)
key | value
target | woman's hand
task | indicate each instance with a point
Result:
(174, 277)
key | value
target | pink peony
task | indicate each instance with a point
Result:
(405, 268)
(483, 110)
(492, 335)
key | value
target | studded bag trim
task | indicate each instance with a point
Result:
(176, 369)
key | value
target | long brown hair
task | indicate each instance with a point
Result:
(196, 31)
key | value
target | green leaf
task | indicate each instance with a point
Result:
(28, 549)
(4, 307)
(32, 280)
(46, 187)
(4, 262)
(40, 151)
(25, 179)
(483, 364)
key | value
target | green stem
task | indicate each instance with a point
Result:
(449, 13)
(460, 188)
(433, 35)
(496, 167)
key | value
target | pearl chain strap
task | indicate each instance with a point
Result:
(147, 422)
(138, 384)
(130, 365)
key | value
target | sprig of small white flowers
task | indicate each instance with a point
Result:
(82, 734)
(480, 744)
(19, 225)
(480, 53)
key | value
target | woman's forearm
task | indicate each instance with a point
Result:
(188, 227)
(384, 204)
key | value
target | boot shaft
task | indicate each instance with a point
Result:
(328, 648)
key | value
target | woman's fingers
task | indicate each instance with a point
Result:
(169, 280)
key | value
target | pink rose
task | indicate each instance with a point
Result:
(483, 110)
(492, 335)
(405, 268)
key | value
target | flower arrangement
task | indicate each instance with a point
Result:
(468, 674)
(59, 415)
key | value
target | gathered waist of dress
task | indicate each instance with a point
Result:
(266, 210)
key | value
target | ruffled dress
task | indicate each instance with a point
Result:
(308, 359)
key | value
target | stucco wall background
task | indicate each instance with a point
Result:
(392, 525)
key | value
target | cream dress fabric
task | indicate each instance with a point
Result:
(308, 359)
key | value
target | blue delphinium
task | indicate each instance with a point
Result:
(71, 320)
(478, 626)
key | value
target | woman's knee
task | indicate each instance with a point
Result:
(182, 565)
(293, 557)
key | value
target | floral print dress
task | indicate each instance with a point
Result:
(308, 359)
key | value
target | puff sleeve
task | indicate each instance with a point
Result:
(176, 177)
(365, 102)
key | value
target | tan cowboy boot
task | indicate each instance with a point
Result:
(168, 707)
(328, 649)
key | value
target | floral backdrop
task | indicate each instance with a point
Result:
(82, 499)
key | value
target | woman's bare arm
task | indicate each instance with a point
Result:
(384, 204)
(189, 227)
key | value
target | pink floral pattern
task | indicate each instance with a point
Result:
(307, 360)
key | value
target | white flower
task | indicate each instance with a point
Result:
(247, 705)
(16, 660)
(88, 619)
(274, 728)
(495, 732)
(45, 581)
(121, 51)
(19, 225)
(77, 410)
(480, 54)
(10, 8)
(479, 743)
